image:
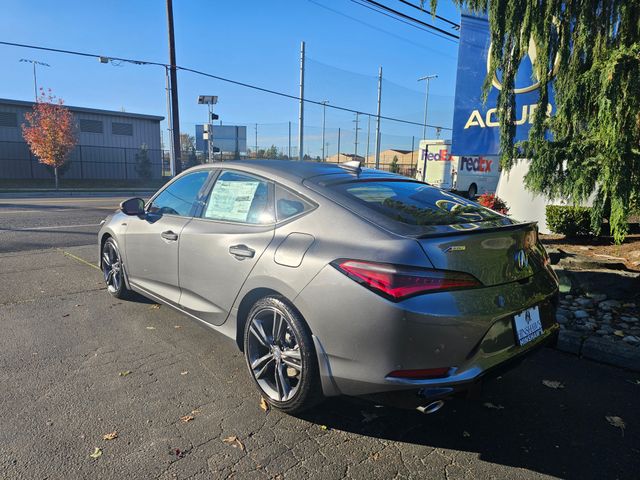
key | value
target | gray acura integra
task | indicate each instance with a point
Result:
(334, 279)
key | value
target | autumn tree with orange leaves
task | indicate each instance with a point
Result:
(50, 131)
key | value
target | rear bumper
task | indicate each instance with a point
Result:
(468, 383)
(361, 337)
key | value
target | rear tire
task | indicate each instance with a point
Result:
(281, 356)
(113, 269)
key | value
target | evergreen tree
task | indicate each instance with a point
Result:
(590, 50)
(143, 163)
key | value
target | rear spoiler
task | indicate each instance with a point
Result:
(495, 228)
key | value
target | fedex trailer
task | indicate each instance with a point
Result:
(470, 175)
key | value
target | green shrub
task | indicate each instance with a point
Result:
(569, 221)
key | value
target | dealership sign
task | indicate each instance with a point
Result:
(475, 124)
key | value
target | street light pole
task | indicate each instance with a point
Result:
(35, 77)
(427, 78)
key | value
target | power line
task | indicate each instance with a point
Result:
(216, 77)
(378, 29)
(454, 24)
(410, 18)
(414, 25)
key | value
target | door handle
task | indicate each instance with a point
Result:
(241, 251)
(169, 235)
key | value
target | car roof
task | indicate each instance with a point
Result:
(297, 171)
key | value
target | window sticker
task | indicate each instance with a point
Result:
(231, 200)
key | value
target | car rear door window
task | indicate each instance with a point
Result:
(415, 203)
(241, 198)
(289, 204)
(180, 196)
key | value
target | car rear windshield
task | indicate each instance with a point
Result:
(415, 203)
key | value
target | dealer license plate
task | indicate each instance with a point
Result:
(528, 325)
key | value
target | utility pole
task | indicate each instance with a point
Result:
(175, 121)
(172, 158)
(301, 116)
(289, 140)
(35, 77)
(256, 140)
(324, 116)
(338, 144)
(428, 78)
(378, 118)
(366, 159)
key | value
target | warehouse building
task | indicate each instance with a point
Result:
(110, 145)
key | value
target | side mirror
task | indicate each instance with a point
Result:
(133, 206)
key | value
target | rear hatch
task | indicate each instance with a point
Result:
(455, 233)
(492, 255)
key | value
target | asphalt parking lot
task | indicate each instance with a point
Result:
(77, 364)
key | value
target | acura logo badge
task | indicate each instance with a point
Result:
(522, 261)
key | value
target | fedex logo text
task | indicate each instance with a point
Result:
(442, 155)
(475, 164)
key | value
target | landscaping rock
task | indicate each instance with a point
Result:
(597, 297)
(631, 340)
(584, 302)
(609, 304)
(561, 319)
(581, 314)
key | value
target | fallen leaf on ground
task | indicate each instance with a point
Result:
(125, 373)
(264, 405)
(234, 442)
(552, 384)
(177, 326)
(491, 405)
(155, 306)
(179, 454)
(110, 436)
(195, 412)
(96, 452)
(368, 417)
(466, 434)
(375, 456)
(324, 427)
(187, 418)
(619, 333)
(184, 373)
(617, 422)
(151, 328)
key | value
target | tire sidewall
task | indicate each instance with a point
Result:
(122, 291)
(307, 393)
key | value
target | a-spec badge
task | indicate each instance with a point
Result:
(455, 248)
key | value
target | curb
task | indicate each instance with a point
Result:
(599, 350)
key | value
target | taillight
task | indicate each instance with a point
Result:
(399, 282)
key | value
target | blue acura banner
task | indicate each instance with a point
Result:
(475, 124)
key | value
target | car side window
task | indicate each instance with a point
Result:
(179, 198)
(238, 197)
(289, 204)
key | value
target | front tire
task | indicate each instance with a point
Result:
(281, 356)
(113, 269)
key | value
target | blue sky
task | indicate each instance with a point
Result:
(251, 41)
